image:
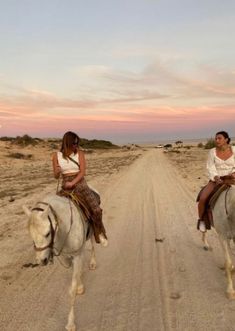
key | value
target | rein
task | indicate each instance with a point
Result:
(52, 230)
(226, 193)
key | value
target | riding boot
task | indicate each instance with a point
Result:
(98, 226)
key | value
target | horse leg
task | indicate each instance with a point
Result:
(206, 245)
(229, 245)
(76, 288)
(80, 286)
(228, 268)
(92, 264)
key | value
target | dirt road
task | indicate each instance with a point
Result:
(154, 276)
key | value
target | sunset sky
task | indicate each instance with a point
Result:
(120, 70)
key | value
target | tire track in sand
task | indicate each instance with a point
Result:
(136, 283)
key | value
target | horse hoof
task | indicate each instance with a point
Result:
(80, 290)
(92, 266)
(231, 295)
(207, 248)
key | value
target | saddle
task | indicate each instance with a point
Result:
(212, 198)
(81, 205)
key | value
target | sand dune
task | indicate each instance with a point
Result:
(153, 276)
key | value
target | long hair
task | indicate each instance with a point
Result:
(225, 135)
(69, 140)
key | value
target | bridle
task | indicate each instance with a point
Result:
(226, 206)
(52, 229)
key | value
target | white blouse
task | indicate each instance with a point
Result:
(218, 167)
(66, 165)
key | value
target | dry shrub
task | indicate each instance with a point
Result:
(210, 143)
(175, 151)
(20, 156)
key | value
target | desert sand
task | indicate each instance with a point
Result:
(153, 276)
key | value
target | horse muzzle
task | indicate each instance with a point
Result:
(44, 259)
(44, 262)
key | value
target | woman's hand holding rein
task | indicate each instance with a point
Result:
(218, 180)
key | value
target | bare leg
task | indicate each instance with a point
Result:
(204, 195)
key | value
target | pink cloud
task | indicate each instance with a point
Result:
(184, 120)
(40, 113)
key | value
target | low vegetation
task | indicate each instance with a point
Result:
(96, 144)
(168, 146)
(210, 143)
(26, 140)
(20, 156)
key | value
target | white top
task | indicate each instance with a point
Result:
(218, 167)
(68, 166)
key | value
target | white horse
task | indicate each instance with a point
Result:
(224, 224)
(59, 229)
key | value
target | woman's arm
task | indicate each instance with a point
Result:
(212, 172)
(233, 170)
(81, 173)
(55, 166)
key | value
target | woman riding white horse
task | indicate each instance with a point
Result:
(221, 162)
(58, 227)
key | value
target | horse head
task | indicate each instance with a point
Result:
(58, 229)
(42, 232)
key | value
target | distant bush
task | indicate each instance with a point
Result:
(7, 138)
(168, 146)
(26, 140)
(20, 156)
(179, 143)
(210, 144)
(96, 144)
(200, 145)
(55, 143)
(23, 141)
(175, 151)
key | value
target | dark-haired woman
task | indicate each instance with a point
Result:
(220, 162)
(70, 163)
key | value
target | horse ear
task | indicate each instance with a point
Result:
(26, 210)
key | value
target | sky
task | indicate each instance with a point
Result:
(119, 70)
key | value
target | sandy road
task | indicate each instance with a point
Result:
(140, 283)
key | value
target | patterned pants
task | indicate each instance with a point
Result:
(92, 201)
